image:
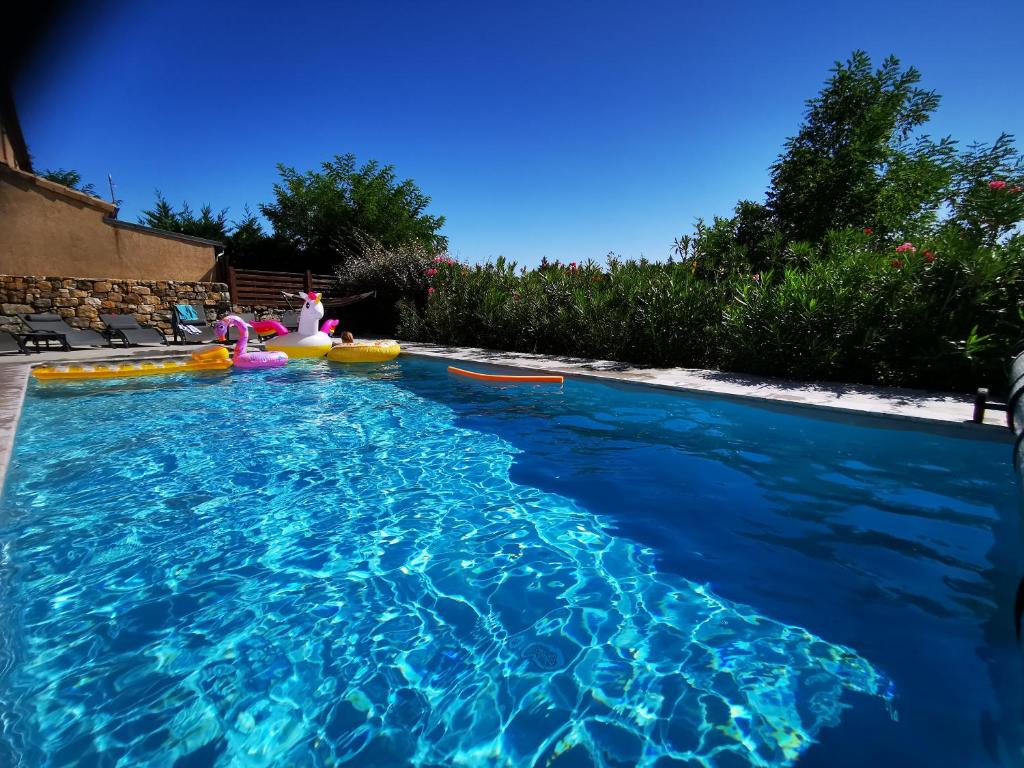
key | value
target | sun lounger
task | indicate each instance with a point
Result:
(130, 332)
(54, 324)
(290, 319)
(11, 343)
(190, 326)
(234, 333)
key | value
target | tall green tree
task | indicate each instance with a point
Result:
(246, 236)
(249, 246)
(70, 178)
(327, 214)
(206, 224)
(854, 161)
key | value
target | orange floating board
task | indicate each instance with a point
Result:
(510, 379)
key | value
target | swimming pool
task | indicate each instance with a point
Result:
(382, 565)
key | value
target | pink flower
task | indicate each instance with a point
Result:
(757, 277)
(906, 247)
(430, 291)
(996, 184)
(572, 265)
(430, 272)
(929, 256)
(868, 231)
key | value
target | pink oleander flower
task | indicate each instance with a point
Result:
(572, 266)
(868, 231)
(996, 184)
(430, 272)
(757, 277)
(430, 291)
(906, 247)
(929, 256)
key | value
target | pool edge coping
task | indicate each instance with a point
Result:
(14, 380)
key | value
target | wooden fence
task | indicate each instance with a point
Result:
(256, 288)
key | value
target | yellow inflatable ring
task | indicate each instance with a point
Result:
(299, 353)
(365, 352)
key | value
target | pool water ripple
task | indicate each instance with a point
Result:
(301, 567)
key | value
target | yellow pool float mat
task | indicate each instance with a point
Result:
(218, 359)
(365, 352)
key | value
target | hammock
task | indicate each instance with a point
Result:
(342, 302)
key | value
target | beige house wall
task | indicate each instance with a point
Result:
(49, 229)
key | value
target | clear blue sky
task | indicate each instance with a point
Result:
(538, 128)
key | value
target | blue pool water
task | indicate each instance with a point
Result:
(383, 565)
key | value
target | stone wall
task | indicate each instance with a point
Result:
(82, 300)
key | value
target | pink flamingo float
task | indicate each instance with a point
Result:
(243, 359)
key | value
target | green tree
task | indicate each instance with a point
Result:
(207, 224)
(853, 162)
(250, 247)
(161, 216)
(70, 178)
(246, 236)
(324, 215)
(986, 196)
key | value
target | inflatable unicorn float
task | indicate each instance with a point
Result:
(307, 341)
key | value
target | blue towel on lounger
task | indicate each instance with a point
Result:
(186, 312)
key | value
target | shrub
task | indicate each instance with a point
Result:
(634, 311)
(397, 274)
(939, 314)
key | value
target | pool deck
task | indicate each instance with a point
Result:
(937, 409)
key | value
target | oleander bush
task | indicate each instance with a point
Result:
(928, 317)
(937, 314)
